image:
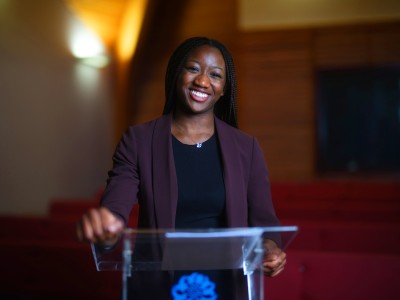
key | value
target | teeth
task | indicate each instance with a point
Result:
(199, 94)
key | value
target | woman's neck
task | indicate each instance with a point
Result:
(193, 129)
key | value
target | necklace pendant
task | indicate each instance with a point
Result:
(199, 145)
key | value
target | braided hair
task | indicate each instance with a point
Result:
(226, 107)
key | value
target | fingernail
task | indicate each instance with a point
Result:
(112, 228)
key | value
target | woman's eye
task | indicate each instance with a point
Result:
(192, 68)
(216, 75)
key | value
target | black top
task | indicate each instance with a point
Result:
(201, 190)
(201, 200)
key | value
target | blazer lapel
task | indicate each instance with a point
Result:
(165, 186)
(233, 176)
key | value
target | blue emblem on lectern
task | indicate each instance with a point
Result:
(195, 286)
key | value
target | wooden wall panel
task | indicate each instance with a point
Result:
(385, 44)
(275, 79)
(277, 69)
(361, 45)
(343, 46)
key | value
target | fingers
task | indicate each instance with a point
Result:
(85, 230)
(273, 270)
(274, 273)
(110, 223)
(274, 263)
(99, 226)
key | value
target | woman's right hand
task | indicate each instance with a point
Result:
(99, 226)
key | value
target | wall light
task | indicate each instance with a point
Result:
(86, 46)
(97, 61)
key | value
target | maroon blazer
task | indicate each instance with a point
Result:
(144, 171)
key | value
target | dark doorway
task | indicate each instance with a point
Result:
(358, 118)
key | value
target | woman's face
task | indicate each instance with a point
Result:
(202, 80)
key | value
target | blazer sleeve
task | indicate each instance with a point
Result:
(123, 180)
(261, 211)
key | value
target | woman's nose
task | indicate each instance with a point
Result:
(202, 80)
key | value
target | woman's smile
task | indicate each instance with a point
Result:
(198, 96)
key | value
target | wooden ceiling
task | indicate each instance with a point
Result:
(102, 16)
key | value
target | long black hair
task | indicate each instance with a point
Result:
(226, 107)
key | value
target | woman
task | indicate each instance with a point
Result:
(192, 167)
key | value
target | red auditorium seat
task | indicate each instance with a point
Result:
(333, 276)
(353, 237)
(49, 270)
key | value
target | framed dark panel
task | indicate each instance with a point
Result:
(358, 120)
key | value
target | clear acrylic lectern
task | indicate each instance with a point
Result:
(171, 251)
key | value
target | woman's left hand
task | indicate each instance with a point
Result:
(274, 259)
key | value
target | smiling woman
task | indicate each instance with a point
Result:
(191, 168)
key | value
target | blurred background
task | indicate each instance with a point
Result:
(319, 86)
